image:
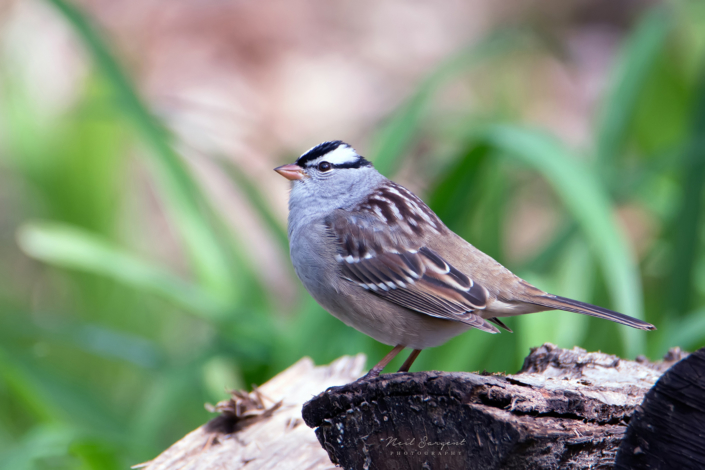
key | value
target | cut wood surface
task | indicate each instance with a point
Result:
(564, 409)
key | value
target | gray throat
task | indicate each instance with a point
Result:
(311, 201)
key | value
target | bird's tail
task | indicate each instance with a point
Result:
(570, 305)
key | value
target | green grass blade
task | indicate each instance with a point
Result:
(575, 278)
(635, 60)
(589, 204)
(689, 221)
(454, 191)
(40, 444)
(59, 400)
(399, 131)
(18, 329)
(255, 198)
(17, 382)
(170, 389)
(686, 332)
(71, 247)
(181, 195)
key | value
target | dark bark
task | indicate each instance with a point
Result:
(565, 409)
(668, 430)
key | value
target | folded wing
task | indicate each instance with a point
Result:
(383, 263)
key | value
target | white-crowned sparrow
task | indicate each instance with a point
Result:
(378, 258)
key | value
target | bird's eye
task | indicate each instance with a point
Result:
(324, 166)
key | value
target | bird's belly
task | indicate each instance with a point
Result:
(391, 324)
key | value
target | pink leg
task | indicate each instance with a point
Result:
(409, 360)
(374, 372)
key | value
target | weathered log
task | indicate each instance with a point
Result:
(564, 409)
(668, 429)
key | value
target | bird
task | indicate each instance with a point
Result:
(376, 257)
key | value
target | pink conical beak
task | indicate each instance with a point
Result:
(291, 172)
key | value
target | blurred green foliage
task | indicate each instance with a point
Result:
(117, 365)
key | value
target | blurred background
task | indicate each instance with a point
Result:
(143, 256)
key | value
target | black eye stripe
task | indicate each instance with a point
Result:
(361, 162)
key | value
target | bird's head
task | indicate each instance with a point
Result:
(330, 173)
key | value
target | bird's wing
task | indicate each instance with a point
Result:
(378, 256)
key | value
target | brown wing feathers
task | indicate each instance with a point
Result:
(419, 280)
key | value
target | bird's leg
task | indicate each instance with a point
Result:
(409, 360)
(374, 372)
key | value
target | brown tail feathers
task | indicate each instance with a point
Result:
(570, 305)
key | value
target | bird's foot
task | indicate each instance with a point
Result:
(372, 374)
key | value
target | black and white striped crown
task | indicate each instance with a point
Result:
(336, 152)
